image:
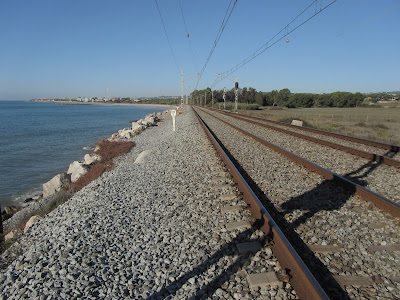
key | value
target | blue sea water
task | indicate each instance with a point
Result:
(40, 140)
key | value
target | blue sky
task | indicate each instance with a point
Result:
(82, 47)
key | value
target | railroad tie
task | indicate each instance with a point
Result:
(353, 280)
(248, 247)
(238, 225)
(263, 280)
(387, 248)
(325, 248)
(228, 197)
(231, 209)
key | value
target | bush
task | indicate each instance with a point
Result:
(243, 106)
(110, 149)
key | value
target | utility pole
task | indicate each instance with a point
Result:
(224, 97)
(212, 98)
(187, 97)
(182, 80)
(205, 97)
(181, 86)
(236, 91)
(236, 94)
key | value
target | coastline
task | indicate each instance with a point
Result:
(107, 104)
(34, 199)
(35, 202)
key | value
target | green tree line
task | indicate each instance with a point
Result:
(278, 98)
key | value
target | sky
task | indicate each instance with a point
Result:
(79, 48)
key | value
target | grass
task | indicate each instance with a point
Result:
(231, 106)
(380, 124)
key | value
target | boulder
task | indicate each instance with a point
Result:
(77, 170)
(146, 123)
(91, 158)
(137, 127)
(56, 184)
(297, 122)
(9, 236)
(12, 209)
(126, 133)
(150, 120)
(31, 221)
(142, 157)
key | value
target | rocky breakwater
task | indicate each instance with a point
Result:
(17, 219)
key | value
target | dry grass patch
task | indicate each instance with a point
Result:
(107, 150)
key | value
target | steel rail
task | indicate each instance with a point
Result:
(302, 280)
(366, 194)
(370, 156)
(391, 148)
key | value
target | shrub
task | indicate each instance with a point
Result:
(244, 106)
(110, 149)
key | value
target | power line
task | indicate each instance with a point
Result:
(284, 32)
(219, 34)
(187, 35)
(166, 34)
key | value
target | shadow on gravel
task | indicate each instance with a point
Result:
(318, 269)
(327, 196)
(228, 249)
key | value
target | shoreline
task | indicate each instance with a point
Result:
(33, 198)
(107, 104)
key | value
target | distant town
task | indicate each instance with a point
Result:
(95, 99)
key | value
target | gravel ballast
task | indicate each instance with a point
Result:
(150, 229)
(319, 213)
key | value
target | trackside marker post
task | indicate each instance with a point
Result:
(173, 114)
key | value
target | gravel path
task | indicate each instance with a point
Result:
(381, 179)
(319, 213)
(144, 230)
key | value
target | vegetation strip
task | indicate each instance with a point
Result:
(391, 148)
(380, 201)
(304, 283)
(371, 156)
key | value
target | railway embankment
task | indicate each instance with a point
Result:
(155, 226)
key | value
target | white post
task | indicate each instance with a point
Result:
(173, 114)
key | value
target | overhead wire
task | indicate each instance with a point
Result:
(219, 34)
(187, 35)
(285, 30)
(349, 29)
(166, 34)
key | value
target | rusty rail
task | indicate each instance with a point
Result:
(366, 194)
(370, 156)
(389, 147)
(302, 280)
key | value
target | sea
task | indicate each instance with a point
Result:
(39, 140)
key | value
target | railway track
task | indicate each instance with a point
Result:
(385, 149)
(349, 246)
(373, 175)
(295, 131)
